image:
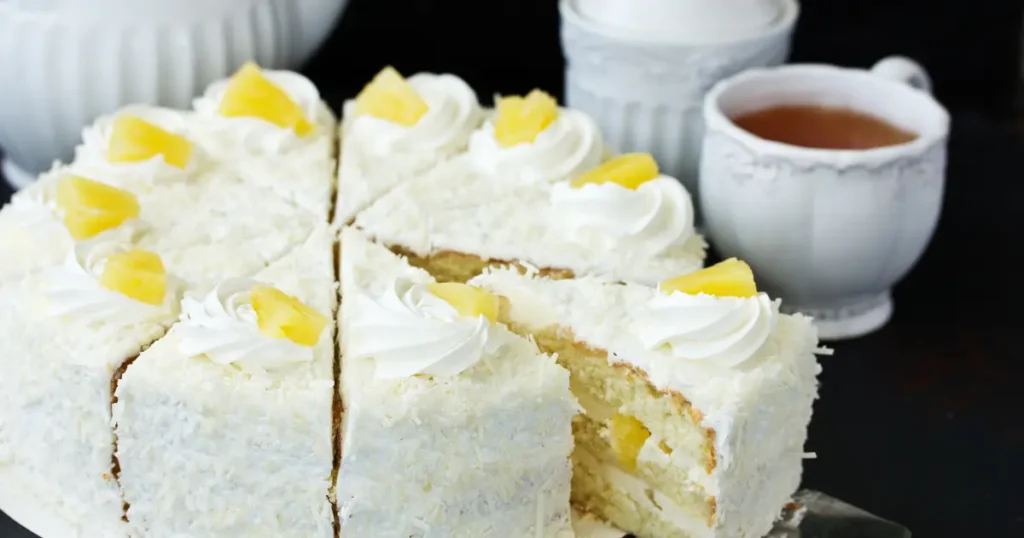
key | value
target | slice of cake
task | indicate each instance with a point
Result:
(225, 426)
(66, 332)
(396, 130)
(194, 211)
(696, 396)
(622, 219)
(454, 426)
(272, 129)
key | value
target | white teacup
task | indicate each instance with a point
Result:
(829, 231)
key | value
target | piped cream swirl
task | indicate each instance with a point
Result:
(453, 112)
(256, 135)
(645, 221)
(224, 328)
(73, 290)
(569, 146)
(722, 331)
(91, 155)
(410, 331)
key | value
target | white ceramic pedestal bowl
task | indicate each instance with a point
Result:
(66, 62)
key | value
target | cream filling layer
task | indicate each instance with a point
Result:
(654, 501)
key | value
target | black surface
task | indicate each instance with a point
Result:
(921, 422)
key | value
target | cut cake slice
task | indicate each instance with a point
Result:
(65, 336)
(457, 220)
(224, 430)
(695, 406)
(453, 425)
(272, 129)
(381, 147)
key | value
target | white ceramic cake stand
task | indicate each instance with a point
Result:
(23, 506)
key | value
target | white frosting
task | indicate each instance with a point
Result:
(263, 447)
(73, 290)
(759, 410)
(33, 235)
(726, 331)
(455, 209)
(378, 154)
(683, 20)
(224, 328)
(569, 146)
(409, 331)
(473, 463)
(259, 136)
(608, 216)
(453, 112)
(91, 155)
(194, 437)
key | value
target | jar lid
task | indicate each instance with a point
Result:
(695, 21)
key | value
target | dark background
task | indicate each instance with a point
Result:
(921, 422)
(971, 48)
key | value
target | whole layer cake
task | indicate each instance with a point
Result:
(524, 343)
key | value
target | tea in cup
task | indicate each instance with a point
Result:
(828, 181)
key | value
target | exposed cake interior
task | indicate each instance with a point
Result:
(451, 266)
(624, 416)
(665, 447)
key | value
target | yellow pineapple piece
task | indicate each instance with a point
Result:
(280, 315)
(250, 94)
(731, 278)
(134, 139)
(91, 207)
(520, 119)
(630, 171)
(390, 97)
(628, 436)
(468, 300)
(138, 273)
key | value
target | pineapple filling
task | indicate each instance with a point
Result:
(467, 300)
(250, 94)
(134, 139)
(91, 207)
(630, 171)
(628, 436)
(280, 315)
(730, 278)
(138, 273)
(520, 119)
(390, 97)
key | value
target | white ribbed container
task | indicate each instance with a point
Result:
(647, 93)
(66, 62)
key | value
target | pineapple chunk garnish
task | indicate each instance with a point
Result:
(628, 436)
(138, 273)
(390, 97)
(520, 119)
(280, 315)
(91, 207)
(468, 300)
(731, 278)
(630, 171)
(134, 139)
(250, 94)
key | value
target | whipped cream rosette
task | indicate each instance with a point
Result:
(530, 140)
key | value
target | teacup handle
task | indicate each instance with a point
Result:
(903, 69)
